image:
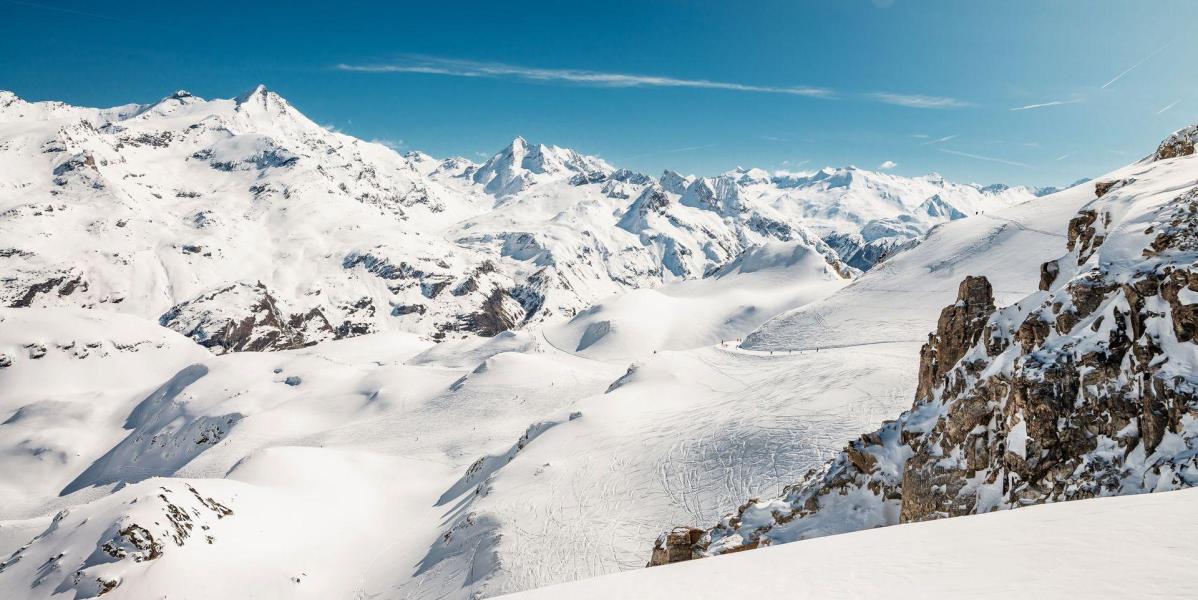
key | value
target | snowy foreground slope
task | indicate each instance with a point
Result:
(467, 450)
(1102, 548)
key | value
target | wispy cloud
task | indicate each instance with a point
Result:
(980, 157)
(938, 140)
(1047, 104)
(1137, 65)
(920, 136)
(918, 101)
(391, 143)
(1064, 156)
(467, 68)
(887, 165)
(1174, 103)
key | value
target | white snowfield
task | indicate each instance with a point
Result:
(137, 463)
(1100, 548)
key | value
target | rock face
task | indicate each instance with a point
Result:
(247, 318)
(1181, 143)
(678, 545)
(1085, 388)
(959, 327)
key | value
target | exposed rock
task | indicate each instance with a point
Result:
(677, 545)
(129, 530)
(245, 318)
(500, 312)
(1048, 274)
(65, 284)
(1181, 143)
(959, 327)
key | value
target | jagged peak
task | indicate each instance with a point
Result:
(258, 91)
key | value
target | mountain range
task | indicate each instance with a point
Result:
(241, 351)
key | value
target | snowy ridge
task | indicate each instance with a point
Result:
(195, 199)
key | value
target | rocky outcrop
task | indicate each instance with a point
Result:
(91, 550)
(677, 545)
(959, 328)
(1083, 389)
(1181, 143)
(246, 318)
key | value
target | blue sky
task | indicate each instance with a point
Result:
(700, 87)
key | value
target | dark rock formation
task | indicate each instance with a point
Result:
(1181, 143)
(245, 318)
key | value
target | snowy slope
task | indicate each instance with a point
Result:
(1091, 549)
(762, 282)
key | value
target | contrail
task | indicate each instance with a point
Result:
(980, 157)
(1168, 107)
(1045, 104)
(1133, 67)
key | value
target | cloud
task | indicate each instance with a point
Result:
(1175, 103)
(1137, 65)
(1047, 104)
(920, 136)
(887, 165)
(1064, 156)
(918, 101)
(980, 157)
(492, 70)
(391, 143)
(939, 140)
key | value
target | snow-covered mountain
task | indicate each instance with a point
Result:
(246, 226)
(654, 351)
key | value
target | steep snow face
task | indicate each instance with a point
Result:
(1084, 388)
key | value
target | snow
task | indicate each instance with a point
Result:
(696, 344)
(1097, 548)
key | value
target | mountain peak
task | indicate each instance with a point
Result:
(258, 91)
